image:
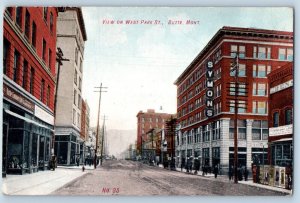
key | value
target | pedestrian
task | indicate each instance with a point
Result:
(83, 168)
(77, 160)
(216, 170)
(246, 174)
(230, 173)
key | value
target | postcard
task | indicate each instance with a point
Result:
(142, 101)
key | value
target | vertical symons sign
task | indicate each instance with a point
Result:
(209, 111)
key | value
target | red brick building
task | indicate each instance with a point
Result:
(29, 58)
(147, 121)
(210, 139)
(281, 102)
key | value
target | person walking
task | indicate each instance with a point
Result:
(216, 170)
(230, 172)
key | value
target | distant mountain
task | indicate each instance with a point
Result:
(119, 140)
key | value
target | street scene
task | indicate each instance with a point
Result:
(148, 101)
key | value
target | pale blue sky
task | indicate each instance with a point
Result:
(139, 63)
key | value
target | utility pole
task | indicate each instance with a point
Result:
(240, 98)
(101, 158)
(98, 118)
(59, 59)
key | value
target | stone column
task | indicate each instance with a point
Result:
(69, 152)
(210, 145)
(224, 144)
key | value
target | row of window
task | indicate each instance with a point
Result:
(23, 73)
(259, 52)
(288, 117)
(31, 30)
(157, 120)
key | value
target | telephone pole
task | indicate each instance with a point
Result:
(101, 158)
(98, 118)
(59, 60)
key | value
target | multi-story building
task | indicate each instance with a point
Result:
(29, 50)
(71, 36)
(148, 120)
(281, 102)
(204, 97)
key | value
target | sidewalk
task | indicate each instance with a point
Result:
(224, 178)
(42, 182)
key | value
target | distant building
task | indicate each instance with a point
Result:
(71, 36)
(148, 120)
(281, 105)
(205, 108)
(29, 52)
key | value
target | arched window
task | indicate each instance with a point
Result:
(275, 119)
(288, 116)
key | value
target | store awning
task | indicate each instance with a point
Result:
(27, 119)
(283, 140)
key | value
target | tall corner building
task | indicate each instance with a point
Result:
(71, 36)
(29, 50)
(209, 137)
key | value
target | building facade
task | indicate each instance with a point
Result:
(204, 97)
(29, 50)
(281, 102)
(71, 36)
(146, 121)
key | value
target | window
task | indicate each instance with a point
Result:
(233, 50)
(45, 14)
(16, 65)
(281, 54)
(75, 77)
(42, 90)
(259, 89)
(261, 52)
(6, 46)
(48, 96)
(78, 119)
(31, 80)
(241, 129)
(242, 70)
(275, 119)
(259, 107)
(25, 72)
(27, 24)
(19, 16)
(33, 35)
(50, 58)
(51, 22)
(74, 117)
(260, 71)
(216, 130)
(79, 84)
(241, 106)
(79, 101)
(290, 54)
(288, 116)
(75, 93)
(76, 55)
(44, 50)
(80, 67)
(260, 130)
(242, 51)
(206, 133)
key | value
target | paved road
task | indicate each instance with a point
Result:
(133, 178)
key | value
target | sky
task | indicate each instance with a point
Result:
(140, 62)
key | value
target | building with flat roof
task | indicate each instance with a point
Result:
(205, 99)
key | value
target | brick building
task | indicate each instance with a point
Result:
(71, 37)
(204, 104)
(29, 52)
(148, 120)
(281, 102)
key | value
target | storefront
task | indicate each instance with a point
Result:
(26, 141)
